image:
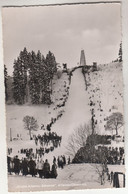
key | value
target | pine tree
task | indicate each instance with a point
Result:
(51, 64)
(34, 79)
(42, 82)
(41, 64)
(38, 57)
(20, 77)
(120, 53)
(51, 67)
(5, 82)
(25, 63)
(18, 83)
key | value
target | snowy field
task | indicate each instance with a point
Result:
(74, 176)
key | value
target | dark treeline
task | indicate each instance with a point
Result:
(32, 77)
(5, 82)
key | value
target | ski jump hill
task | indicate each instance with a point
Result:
(103, 90)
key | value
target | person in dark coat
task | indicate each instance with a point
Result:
(111, 177)
(8, 162)
(116, 180)
(24, 167)
(69, 160)
(48, 128)
(16, 165)
(54, 170)
(58, 162)
(61, 162)
(64, 160)
(54, 159)
(32, 167)
(46, 169)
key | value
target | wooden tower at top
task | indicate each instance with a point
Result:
(82, 59)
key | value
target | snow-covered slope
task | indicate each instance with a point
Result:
(77, 110)
(105, 90)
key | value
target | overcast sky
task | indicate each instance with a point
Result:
(64, 30)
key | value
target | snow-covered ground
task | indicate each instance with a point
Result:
(105, 90)
(74, 176)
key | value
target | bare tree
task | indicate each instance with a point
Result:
(30, 123)
(78, 139)
(114, 122)
(102, 171)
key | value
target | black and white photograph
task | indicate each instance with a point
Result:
(64, 100)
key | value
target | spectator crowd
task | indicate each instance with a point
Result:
(47, 139)
(36, 167)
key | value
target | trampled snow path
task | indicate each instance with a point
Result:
(76, 111)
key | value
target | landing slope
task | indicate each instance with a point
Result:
(77, 111)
